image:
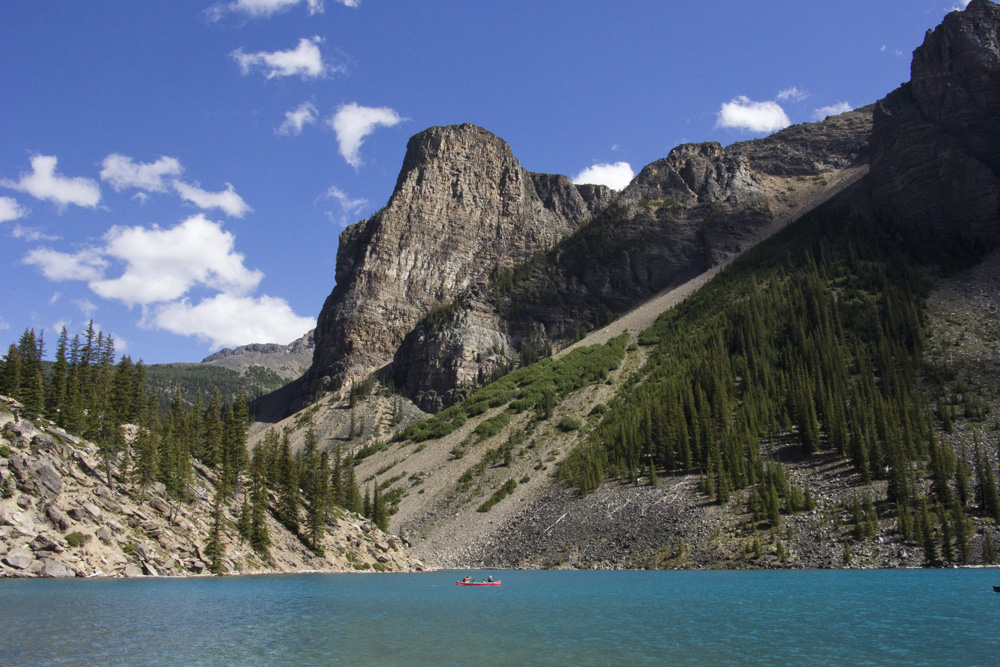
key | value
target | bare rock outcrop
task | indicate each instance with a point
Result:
(58, 518)
(447, 356)
(462, 207)
(935, 166)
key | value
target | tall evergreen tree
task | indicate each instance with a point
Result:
(215, 550)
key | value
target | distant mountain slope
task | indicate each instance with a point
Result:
(254, 370)
(288, 362)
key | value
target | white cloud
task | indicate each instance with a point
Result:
(616, 176)
(31, 234)
(353, 122)
(11, 210)
(55, 265)
(265, 8)
(295, 120)
(347, 205)
(832, 110)
(44, 183)
(227, 200)
(163, 264)
(743, 114)
(230, 320)
(793, 94)
(88, 308)
(305, 60)
(55, 297)
(4, 324)
(121, 172)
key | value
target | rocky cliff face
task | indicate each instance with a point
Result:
(684, 214)
(935, 164)
(59, 518)
(462, 207)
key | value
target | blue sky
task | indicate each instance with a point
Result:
(180, 171)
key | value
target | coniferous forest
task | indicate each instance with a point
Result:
(814, 338)
(88, 393)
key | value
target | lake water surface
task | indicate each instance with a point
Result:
(901, 617)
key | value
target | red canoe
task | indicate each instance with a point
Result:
(478, 583)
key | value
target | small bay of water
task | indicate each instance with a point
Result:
(881, 617)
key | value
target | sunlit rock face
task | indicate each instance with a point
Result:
(462, 207)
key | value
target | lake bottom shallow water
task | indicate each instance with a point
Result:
(826, 617)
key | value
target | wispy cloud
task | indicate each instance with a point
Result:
(741, 113)
(87, 307)
(265, 8)
(792, 94)
(305, 61)
(227, 200)
(11, 210)
(31, 234)
(614, 175)
(304, 114)
(353, 122)
(44, 183)
(347, 205)
(831, 110)
(121, 172)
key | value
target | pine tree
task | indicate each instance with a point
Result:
(986, 487)
(930, 546)
(260, 538)
(380, 514)
(215, 550)
(318, 501)
(354, 501)
(962, 531)
(288, 498)
(55, 396)
(212, 430)
(989, 551)
(244, 525)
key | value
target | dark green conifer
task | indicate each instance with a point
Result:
(215, 550)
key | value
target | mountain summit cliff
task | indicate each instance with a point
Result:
(936, 139)
(462, 207)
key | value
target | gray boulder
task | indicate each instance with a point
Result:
(132, 570)
(54, 570)
(19, 558)
(58, 517)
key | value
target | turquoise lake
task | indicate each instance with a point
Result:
(882, 617)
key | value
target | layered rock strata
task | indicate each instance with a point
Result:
(463, 206)
(935, 167)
